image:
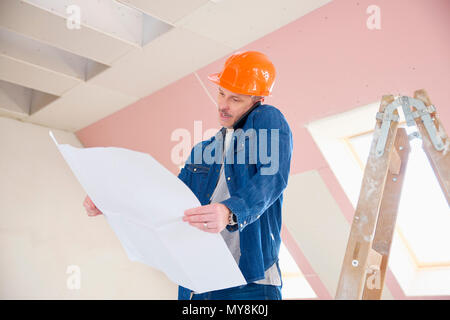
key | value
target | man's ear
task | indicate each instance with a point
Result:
(261, 99)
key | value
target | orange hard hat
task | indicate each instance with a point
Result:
(249, 73)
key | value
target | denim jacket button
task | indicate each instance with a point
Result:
(228, 178)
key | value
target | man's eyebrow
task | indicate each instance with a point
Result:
(233, 96)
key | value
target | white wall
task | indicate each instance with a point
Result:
(316, 222)
(44, 228)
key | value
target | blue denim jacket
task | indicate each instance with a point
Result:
(255, 187)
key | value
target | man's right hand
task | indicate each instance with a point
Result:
(90, 207)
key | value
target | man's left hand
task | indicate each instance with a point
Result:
(210, 218)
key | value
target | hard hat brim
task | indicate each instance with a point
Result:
(214, 77)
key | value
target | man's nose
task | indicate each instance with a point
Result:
(223, 107)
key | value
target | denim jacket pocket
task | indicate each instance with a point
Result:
(199, 174)
(197, 168)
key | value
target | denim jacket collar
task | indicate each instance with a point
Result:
(240, 122)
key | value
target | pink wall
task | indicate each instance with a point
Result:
(327, 62)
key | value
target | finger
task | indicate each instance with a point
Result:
(89, 207)
(200, 218)
(198, 210)
(92, 214)
(88, 204)
(209, 225)
(91, 203)
(202, 227)
(93, 211)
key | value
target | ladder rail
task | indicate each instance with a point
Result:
(366, 258)
(353, 274)
(384, 233)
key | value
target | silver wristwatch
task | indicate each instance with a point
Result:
(231, 219)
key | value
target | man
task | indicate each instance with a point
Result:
(236, 181)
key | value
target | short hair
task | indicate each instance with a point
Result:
(257, 97)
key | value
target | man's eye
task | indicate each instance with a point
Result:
(235, 99)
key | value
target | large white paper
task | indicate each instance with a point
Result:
(144, 204)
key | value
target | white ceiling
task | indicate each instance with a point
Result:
(124, 50)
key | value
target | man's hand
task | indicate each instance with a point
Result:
(90, 207)
(210, 218)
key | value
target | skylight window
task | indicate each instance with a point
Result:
(424, 216)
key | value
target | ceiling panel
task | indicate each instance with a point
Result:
(166, 10)
(105, 53)
(107, 16)
(236, 23)
(33, 77)
(50, 28)
(14, 100)
(30, 51)
(80, 107)
(166, 59)
(39, 66)
(19, 102)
